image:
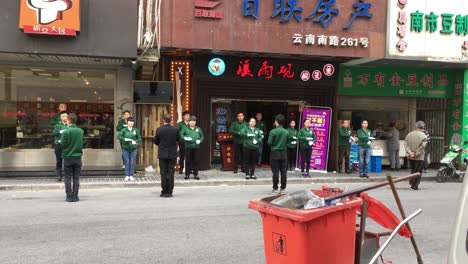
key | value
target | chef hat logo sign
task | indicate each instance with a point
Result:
(48, 11)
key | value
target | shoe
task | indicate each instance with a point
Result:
(169, 195)
(282, 191)
(414, 188)
(247, 177)
(366, 176)
(275, 191)
(131, 178)
(127, 178)
(76, 199)
(123, 166)
(348, 172)
(59, 179)
(235, 171)
(306, 175)
(303, 174)
(187, 177)
(162, 195)
(361, 175)
(68, 199)
(197, 178)
(253, 177)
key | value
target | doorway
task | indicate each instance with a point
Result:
(224, 112)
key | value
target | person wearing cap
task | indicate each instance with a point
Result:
(193, 137)
(129, 138)
(181, 126)
(235, 129)
(415, 144)
(121, 125)
(72, 150)
(306, 138)
(251, 141)
(58, 132)
(292, 145)
(278, 142)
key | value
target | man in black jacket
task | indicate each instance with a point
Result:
(166, 139)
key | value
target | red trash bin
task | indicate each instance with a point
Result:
(294, 236)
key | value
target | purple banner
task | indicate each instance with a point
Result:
(320, 123)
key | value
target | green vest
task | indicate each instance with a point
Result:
(293, 140)
(190, 137)
(344, 135)
(72, 142)
(58, 132)
(251, 138)
(121, 124)
(363, 138)
(126, 136)
(306, 138)
(235, 129)
(278, 139)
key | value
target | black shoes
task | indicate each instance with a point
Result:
(166, 195)
(364, 176)
(247, 177)
(186, 177)
(69, 200)
(253, 177)
(197, 178)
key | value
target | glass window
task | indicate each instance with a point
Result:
(30, 98)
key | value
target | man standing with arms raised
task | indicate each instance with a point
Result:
(166, 139)
(72, 150)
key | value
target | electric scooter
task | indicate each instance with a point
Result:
(450, 166)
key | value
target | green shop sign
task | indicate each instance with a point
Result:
(396, 82)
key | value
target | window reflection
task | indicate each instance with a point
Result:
(30, 98)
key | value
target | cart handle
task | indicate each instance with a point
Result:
(395, 231)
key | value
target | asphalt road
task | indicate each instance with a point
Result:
(198, 225)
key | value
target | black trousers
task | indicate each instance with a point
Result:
(306, 153)
(416, 166)
(181, 156)
(72, 172)
(58, 158)
(250, 156)
(191, 161)
(343, 155)
(166, 167)
(238, 157)
(292, 158)
(279, 164)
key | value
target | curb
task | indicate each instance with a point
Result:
(193, 183)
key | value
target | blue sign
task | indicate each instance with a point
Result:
(216, 67)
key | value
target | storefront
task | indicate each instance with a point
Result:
(258, 56)
(80, 57)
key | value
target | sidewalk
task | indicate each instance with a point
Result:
(212, 177)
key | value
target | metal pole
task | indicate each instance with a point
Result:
(362, 233)
(403, 215)
(371, 187)
(382, 248)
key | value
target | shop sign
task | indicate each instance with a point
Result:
(267, 70)
(208, 9)
(322, 12)
(398, 82)
(328, 70)
(46, 17)
(320, 119)
(458, 103)
(433, 29)
(216, 67)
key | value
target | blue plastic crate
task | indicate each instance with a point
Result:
(376, 164)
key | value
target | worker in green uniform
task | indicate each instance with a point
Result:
(58, 132)
(251, 142)
(181, 125)
(56, 118)
(72, 150)
(121, 125)
(364, 143)
(192, 136)
(344, 146)
(260, 125)
(235, 129)
(292, 145)
(306, 138)
(129, 138)
(278, 142)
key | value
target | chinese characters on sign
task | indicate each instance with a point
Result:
(395, 82)
(449, 23)
(59, 17)
(402, 26)
(284, 71)
(320, 123)
(207, 9)
(324, 11)
(333, 41)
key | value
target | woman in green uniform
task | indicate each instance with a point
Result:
(251, 140)
(193, 137)
(129, 137)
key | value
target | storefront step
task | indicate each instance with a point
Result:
(47, 172)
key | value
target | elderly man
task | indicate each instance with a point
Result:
(415, 144)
